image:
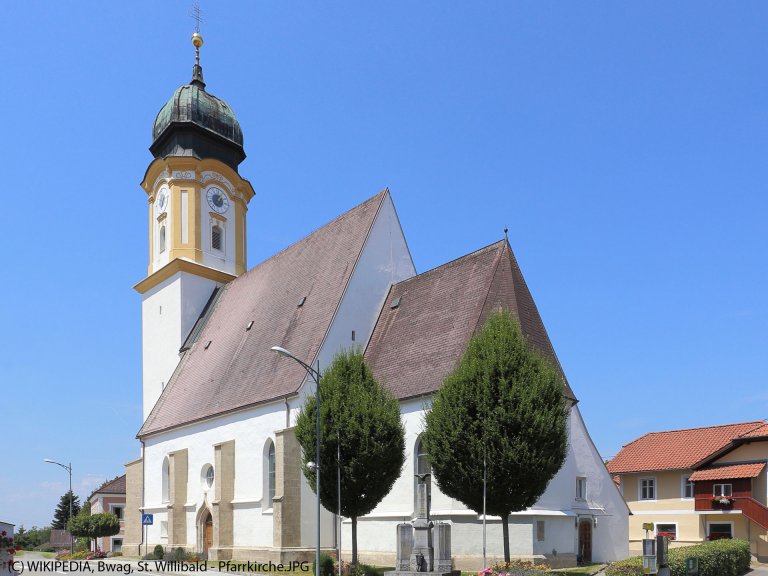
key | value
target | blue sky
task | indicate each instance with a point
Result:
(623, 143)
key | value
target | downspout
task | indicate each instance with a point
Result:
(287, 413)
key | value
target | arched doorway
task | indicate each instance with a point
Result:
(207, 525)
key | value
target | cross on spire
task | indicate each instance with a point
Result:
(197, 16)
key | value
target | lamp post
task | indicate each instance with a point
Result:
(315, 375)
(68, 469)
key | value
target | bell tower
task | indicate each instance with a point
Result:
(197, 203)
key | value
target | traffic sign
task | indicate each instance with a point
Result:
(146, 519)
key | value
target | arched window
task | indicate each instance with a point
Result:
(161, 241)
(166, 475)
(217, 237)
(271, 474)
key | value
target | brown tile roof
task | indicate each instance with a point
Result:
(728, 472)
(676, 449)
(237, 369)
(114, 486)
(415, 345)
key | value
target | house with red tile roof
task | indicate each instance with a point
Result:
(110, 497)
(220, 468)
(698, 483)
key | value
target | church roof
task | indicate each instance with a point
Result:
(230, 365)
(426, 321)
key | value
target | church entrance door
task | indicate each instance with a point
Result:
(208, 533)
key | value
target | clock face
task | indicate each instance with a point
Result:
(217, 200)
(161, 203)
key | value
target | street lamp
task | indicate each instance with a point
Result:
(68, 469)
(315, 375)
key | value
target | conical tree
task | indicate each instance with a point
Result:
(502, 413)
(61, 514)
(362, 419)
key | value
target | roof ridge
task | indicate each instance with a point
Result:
(761, 423)
(381, 195)
(306, 238)
(752, 429)
(446, 264)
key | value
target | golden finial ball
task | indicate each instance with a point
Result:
(197, 40)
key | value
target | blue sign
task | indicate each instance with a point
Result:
(146, 519)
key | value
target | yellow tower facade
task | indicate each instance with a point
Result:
(197, 204)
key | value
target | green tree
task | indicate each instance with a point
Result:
(92, 526)
(502, 405)
(362, 419)
(61, 514)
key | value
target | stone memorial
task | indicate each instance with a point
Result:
(423, 546)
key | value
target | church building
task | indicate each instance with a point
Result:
(220, 466)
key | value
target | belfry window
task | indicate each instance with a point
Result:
(217, 240)
(162, 238)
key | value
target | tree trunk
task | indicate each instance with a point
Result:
(505, 529)
(354, 539)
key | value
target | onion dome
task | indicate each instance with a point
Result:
(196, 123)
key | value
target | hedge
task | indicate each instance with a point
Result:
(718, 558)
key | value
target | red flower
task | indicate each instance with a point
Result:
(3, 533)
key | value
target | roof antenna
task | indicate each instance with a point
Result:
(197, 41)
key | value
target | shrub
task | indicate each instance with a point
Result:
(719, 558)
(179, 554)
(158, 552)
(326, 565)
(96, 554)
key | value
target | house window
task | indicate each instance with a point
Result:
(117, 510)
(667, 529)
(217, 239)
(162, 238)
(270, 474)
(723, 490)
(687, 487)
(540, 533)
(719, 531)
(166, 479)
(647, 489)
(117, 544)
(581, 488)
(164, 529)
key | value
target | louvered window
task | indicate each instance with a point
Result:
(162, 238)
(216, 238)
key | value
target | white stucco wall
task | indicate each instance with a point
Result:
(610, 538)
(168, 313)
(250, 430)
(558, 506)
